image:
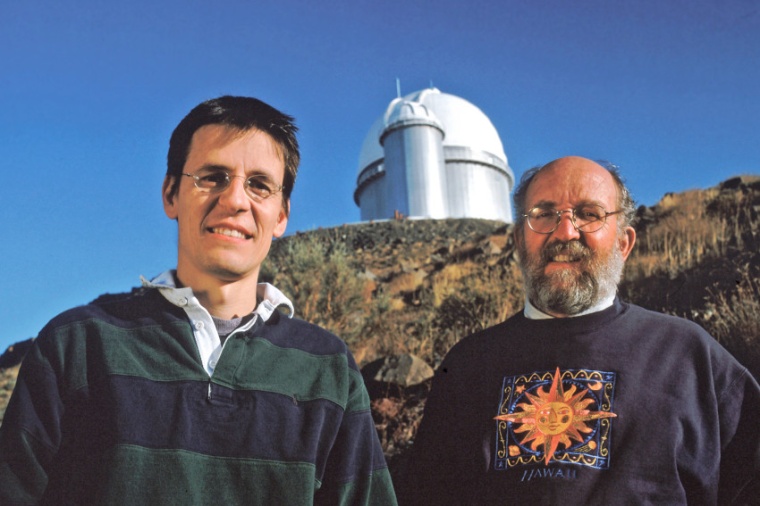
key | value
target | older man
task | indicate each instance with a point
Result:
(582, 398)
(196, 389)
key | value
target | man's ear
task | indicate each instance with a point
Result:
(626, 241)
(282, 220)
(169, 197)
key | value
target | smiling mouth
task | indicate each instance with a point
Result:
(565, 258)
(230, 233)
(567, 253)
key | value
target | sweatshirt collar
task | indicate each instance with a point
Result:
(533, 313)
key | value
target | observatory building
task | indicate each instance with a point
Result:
(433, 155)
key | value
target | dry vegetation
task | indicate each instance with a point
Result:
(7, 383)
(385, 292)
(419, 286)
(697, 256)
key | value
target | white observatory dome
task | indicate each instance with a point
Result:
(435, 155)
(465, 125)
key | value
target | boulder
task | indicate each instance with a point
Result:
(402, 370)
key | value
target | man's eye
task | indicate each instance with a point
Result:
(215, 179)
(544, 214)
(589, 214)
(259, 185)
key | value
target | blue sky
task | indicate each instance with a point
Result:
(90, 92)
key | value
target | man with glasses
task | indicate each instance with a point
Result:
(582, 398)
(200, 387)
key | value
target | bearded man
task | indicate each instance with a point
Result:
(582, 398)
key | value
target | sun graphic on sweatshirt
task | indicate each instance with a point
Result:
(554, 417)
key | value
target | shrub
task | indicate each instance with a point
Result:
(733, 318)
(325, 286)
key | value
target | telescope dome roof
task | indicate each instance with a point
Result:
(463, 124)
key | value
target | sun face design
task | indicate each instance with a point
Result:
(554, 417)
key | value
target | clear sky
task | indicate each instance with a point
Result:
(90, 92)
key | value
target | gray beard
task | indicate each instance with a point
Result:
(569, 292)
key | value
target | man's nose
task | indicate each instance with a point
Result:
(566, 230)
(235, 195)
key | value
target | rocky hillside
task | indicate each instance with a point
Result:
(402, 292)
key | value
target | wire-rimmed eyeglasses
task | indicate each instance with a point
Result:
(258, 187)
(587, 218)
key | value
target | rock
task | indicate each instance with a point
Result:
(739, 181)
(495, 244)
(403, 370)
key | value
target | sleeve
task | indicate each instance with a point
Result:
(31, 432)
(740, 436)
(356, 472)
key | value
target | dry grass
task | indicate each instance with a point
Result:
(7, 383)
(733, 317)
(697, 256)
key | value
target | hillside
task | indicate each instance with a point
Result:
(417, 286)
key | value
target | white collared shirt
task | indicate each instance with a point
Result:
(206, 337)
